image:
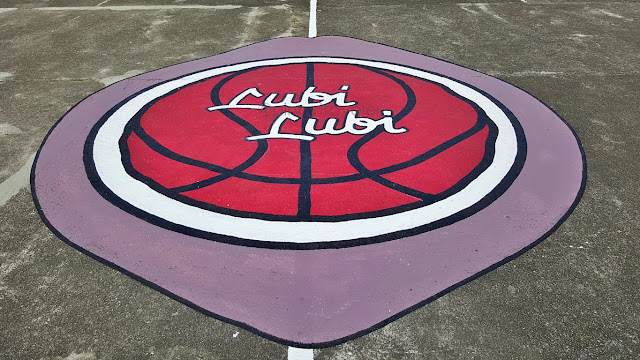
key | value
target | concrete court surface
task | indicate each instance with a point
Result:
(574, 296)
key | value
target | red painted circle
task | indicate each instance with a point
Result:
(202, 157)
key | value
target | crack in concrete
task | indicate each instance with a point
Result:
(527, 73)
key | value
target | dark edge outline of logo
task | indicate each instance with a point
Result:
(361, 332)
(489, 198)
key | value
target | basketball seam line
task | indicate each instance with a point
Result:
(304, 189)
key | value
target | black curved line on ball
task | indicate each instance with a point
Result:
(352, 153)
(260, 151)
(482, 121)
(135, 126)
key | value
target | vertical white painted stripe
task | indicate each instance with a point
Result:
(300, 354)
(313, 31)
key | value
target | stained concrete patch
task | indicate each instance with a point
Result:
(5, 76)
(252, 19)
(79, 356)
(113, 79)
(15, 182)
(12, 262)
(8, 129)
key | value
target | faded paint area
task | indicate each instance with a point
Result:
(4, 76)
(113, 79)
(8, 129)
(79, 356)
(252, 19)
(11, 186)
(12, 262)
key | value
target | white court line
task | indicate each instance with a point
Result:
(313, 31)
(300, 354)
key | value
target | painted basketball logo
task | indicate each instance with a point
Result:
(305, 152)
(343, 169)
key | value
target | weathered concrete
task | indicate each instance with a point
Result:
(573, 296)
